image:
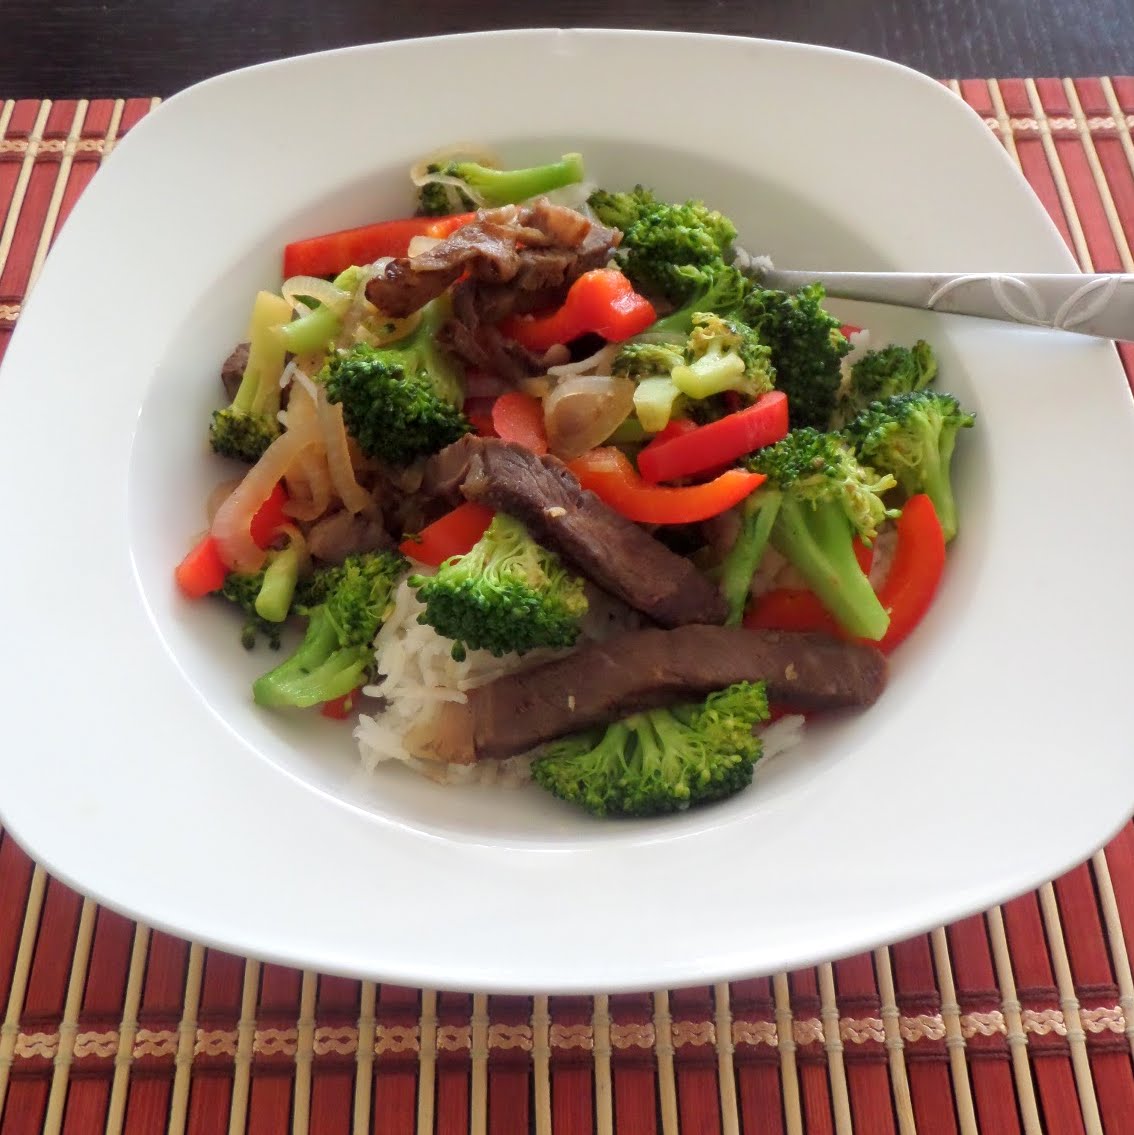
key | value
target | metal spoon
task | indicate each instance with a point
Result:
(1101, 305)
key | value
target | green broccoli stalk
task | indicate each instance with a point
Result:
(825, 498)
(337, 653)
(757, 516)
(658, 239)
(484, 187)
(807, 347)
(264, 596)
(882, 374)
(666, 760)
(320, 326)
(245, 428)
(506, 595)
(723, 354)
(400, 401)
(912, 437)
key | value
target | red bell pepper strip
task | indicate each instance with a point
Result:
(607, 472)
(339, 709)
(717, 443)
(202, 571)
(269, 516)
(601, 302)
(453, 535)
(677, 427)
(328, 255)
(518, 417)
(915, 573)
(906, 592)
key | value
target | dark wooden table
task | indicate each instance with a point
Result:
(150, 47)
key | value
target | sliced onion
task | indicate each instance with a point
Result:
(598, 363)
(351, 493)
(574, 196)
(308, 486)
(420, 175)
(231, 526)
(583, 411)
(308, 482)
(314, 288)
(420, 244)
(660, 337)
(539, 387)
(218, 496)
(556, 355)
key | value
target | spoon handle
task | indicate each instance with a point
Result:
(1101, 305)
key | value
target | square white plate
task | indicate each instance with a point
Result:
(134, 764)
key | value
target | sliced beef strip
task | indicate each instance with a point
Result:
(343, 534)
(646, 669)
(532, 247)
(612, 551)
(472, 338)
(232, 369)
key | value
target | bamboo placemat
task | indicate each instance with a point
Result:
(1018, 1020)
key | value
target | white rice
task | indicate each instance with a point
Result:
(782, 735)
(417, 675)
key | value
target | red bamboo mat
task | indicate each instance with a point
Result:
(1020, 1020)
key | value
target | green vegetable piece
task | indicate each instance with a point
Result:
(666, 760)
(485, 187)
(660, 239)
(401, 401)
(337, 653)
(724, 354)
(912, 436)
(825, 498)
(506, 595)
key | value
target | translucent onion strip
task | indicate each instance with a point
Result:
(351, 493)
(312, 287)
(583, 411)
(231, 526)
(598, 363)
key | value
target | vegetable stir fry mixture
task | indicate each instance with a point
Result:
(540, 483)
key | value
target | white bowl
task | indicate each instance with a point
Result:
(135, 765)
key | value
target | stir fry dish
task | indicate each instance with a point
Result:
(541, 484)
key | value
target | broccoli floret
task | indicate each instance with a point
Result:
(246, 427)
(656, 396)
(912, 436)
(825, 497)
(662, 761)
(658, 239)
(265, 596)
(439, 199)
(719, 288)
(401, 401)
(336, 654)
(241, 589)
(646, 360)
(483, 186)
(724, 354)
(506, 595)
(621, 210)
(807, 347)
(882, 374)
